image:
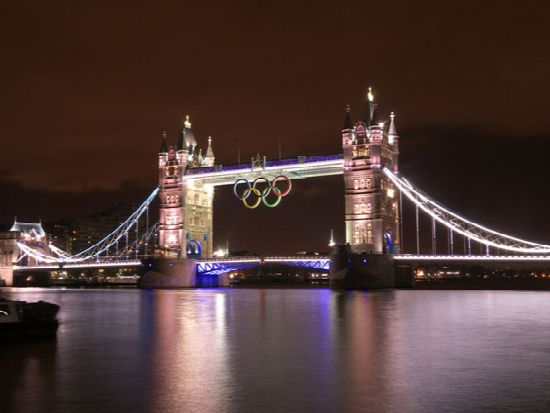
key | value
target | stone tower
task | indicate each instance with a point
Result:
(186, 203)
(172, 162)
(372, 202)
(8, 254)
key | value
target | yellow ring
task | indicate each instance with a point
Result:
(245, 196)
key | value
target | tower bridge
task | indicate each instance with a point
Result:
(179, 247)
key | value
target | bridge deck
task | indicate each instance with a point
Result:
(295, 168)
(320, 262)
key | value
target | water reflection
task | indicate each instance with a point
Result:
(250, 350)
(190, 356)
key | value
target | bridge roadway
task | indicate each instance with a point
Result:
(214, 266)
(411, 258)
(204, 265)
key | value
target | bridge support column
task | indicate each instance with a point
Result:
(168, 273)
(6, 276)
(8, 254)
(372, 271)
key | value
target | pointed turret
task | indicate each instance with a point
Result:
(392, 131)
(331, 243)
(163, 145)
(181, 149)
(368, 112)
(189, 137)
(375, 116)
(209, 158)
(180, 146)
(200, 159)
(347, 120)
(347, 131)
(393, 139)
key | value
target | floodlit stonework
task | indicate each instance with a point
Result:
(372, 202)
(185, 213)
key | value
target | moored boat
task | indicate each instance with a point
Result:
(23, 320)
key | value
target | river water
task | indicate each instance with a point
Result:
(284, 350)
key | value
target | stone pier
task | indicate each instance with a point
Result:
(8, 254)
(168, 273)
(371, 271)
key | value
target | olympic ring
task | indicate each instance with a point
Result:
(247, 192)
(237, 183)
(262, 193)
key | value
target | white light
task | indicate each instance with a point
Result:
(434, 210)
(471, 258)
(220, 253)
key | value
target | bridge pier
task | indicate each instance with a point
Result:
(168, 273)
(371, 271)
(6, 276)
(8, 254)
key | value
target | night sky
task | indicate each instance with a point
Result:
(88, 87)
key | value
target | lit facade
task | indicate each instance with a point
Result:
(185, 213)
(371, 200)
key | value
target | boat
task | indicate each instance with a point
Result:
(20, 320)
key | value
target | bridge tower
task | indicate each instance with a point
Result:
(8, 254)
(371, 201)
(186, 204)
(172, 162)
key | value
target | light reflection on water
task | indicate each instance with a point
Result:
(274, 350)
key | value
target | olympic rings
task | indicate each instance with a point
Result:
(262, 192)
(247, 192)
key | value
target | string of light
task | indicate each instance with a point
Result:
(102, 246)
(461, 225)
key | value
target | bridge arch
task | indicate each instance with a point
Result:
(193, 249)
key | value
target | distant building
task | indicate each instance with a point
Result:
(76, 235)
(32, 235)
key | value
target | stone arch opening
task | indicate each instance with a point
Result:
(194, 249)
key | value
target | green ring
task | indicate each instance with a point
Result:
(265, 194)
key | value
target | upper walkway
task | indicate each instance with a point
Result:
(295, 168)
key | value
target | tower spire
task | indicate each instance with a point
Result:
(368, 112)
(331, 242)
(188, 135)
(209, 158)
(163, 145)
(181, 141)
(347, 120)
(392, 131)
(370, 95)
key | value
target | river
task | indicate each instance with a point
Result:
(283, 350)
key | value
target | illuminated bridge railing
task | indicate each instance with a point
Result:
(463, 258)
(222, 266)
(81, 265)
(273, 163)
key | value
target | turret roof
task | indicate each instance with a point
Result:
(28, 228)
(347, 120)
(163, 145)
